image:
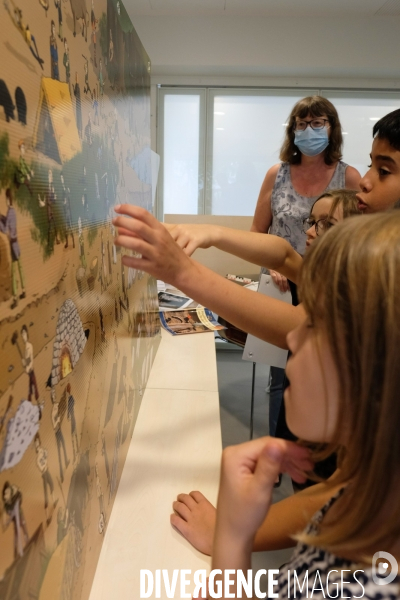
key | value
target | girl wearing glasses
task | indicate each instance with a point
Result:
(270, 252)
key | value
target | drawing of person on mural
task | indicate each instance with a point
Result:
(66, 62)
(114, 469)
(42, 464)
(49, 202)
(29, 38)
(100, 497)
(78, 108)
(23, 173)
(88, 131)
(102, 328)
(105, 455)
(85, 203)
(86, 88)
(71, 417)
(106, 193)
(27, 363)
(101, 85)
(103, 275)
(69, 230)
(56, 420)
(111, 61)
(93, 22)
(5, 415)
(109, 260)
(12, 512)
(57, 4)
(95, 107)
(82, 256)
(8, 225)
(54, 53)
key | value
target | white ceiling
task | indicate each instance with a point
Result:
(279, 8)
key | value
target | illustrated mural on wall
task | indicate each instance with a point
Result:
(78, 330)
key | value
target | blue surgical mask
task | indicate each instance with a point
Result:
(311, 141)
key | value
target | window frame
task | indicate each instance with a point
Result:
(175, 91)
(206, 124)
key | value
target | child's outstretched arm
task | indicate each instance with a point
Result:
(268, 251)
(267, 318)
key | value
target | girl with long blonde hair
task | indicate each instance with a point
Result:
(343, 397)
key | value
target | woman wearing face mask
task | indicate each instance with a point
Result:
(311, 164)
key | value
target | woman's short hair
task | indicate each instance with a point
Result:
(350, 289)
(315, 106)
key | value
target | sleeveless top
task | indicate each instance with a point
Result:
(317, 563)
(289, 209)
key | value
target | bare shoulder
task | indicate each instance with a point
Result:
(272, 173)
(269, 180)
(352, 178)
(263, 217)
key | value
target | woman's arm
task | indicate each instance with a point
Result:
(352, 179)
(263, 219)
(268, 251)
(267, 318)
(263, 214)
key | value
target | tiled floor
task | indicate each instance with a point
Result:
(234, 386)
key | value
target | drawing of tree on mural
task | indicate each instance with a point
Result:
(91, 177)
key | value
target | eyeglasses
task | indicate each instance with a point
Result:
(320, 226)
(314, 124)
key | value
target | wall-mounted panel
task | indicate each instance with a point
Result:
(78, 330)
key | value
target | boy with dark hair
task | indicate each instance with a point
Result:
(380, 186)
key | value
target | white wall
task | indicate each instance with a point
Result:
(361, 52)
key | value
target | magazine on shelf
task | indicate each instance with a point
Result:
(182, 322)
(168, 301)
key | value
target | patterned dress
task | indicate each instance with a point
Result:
(320, 573)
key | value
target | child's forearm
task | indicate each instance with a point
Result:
(267, 318)
(230, 554)
(262, 249)
(290, 516)
(264, 317)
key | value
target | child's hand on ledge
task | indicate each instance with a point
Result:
(194, 517)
